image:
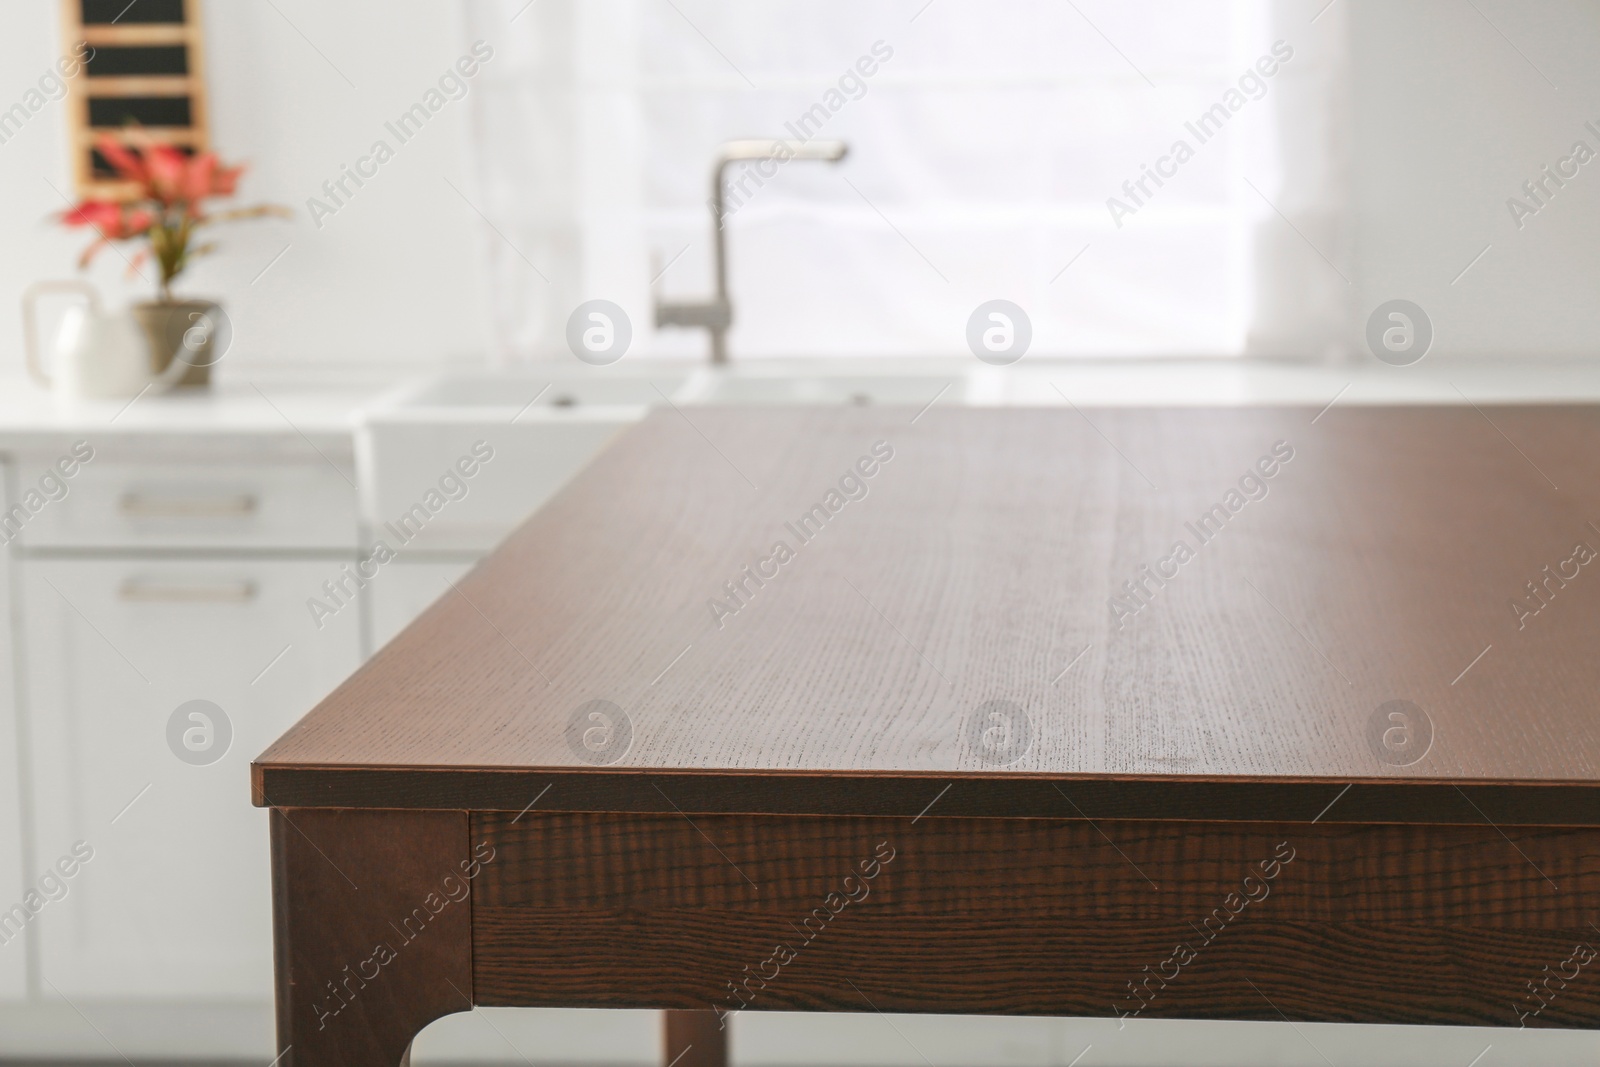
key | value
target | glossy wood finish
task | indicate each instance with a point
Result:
(1434, 924)
(372, 913)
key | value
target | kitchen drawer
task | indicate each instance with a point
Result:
(240, 505)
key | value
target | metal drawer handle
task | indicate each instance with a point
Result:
(150, 506)
(147, 591)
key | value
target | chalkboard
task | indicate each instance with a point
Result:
(134, 70)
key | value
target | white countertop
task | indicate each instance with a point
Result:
(316, 409)
(328, 409)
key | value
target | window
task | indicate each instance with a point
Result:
(997, 150)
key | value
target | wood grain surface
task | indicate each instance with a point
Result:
(1435, 924)
(1380, 562)
(371, 918)
(693, 1039)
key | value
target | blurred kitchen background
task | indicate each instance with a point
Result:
(983, 153)
(385, 325)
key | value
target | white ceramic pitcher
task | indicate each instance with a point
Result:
(97, 354)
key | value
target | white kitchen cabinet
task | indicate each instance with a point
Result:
(417, 496)
(405, 588)
(13, 877)
(175, 903)
(123, 505)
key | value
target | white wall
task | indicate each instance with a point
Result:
(395, 276)
(1449, 122)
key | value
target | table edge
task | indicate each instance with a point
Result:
(912, 794)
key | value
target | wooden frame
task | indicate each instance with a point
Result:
(389, 919)
(87, 87)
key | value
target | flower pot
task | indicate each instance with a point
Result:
(194, 331)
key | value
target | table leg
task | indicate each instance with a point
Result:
(371, 928)
(693, 1039)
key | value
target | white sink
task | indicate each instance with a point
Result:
(533, 392)
(543, 428)
(780, 385)
(539, 430)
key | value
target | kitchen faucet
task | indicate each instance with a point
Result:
(716, 315)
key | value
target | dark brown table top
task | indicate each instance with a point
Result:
(952, 619)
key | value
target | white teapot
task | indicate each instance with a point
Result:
(96, 354)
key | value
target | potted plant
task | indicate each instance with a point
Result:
(164, 214)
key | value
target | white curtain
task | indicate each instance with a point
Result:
(987, 142)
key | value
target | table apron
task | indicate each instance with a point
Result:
(1447, 924)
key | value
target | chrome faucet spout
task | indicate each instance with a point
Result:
(716, 315)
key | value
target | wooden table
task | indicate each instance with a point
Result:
(980, 737)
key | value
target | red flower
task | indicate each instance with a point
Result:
(225, 179)
(199, 177)
(127, 164)
(167, 206)
(96, 213)
(109, 218)
(165, 174)
(166, 167)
